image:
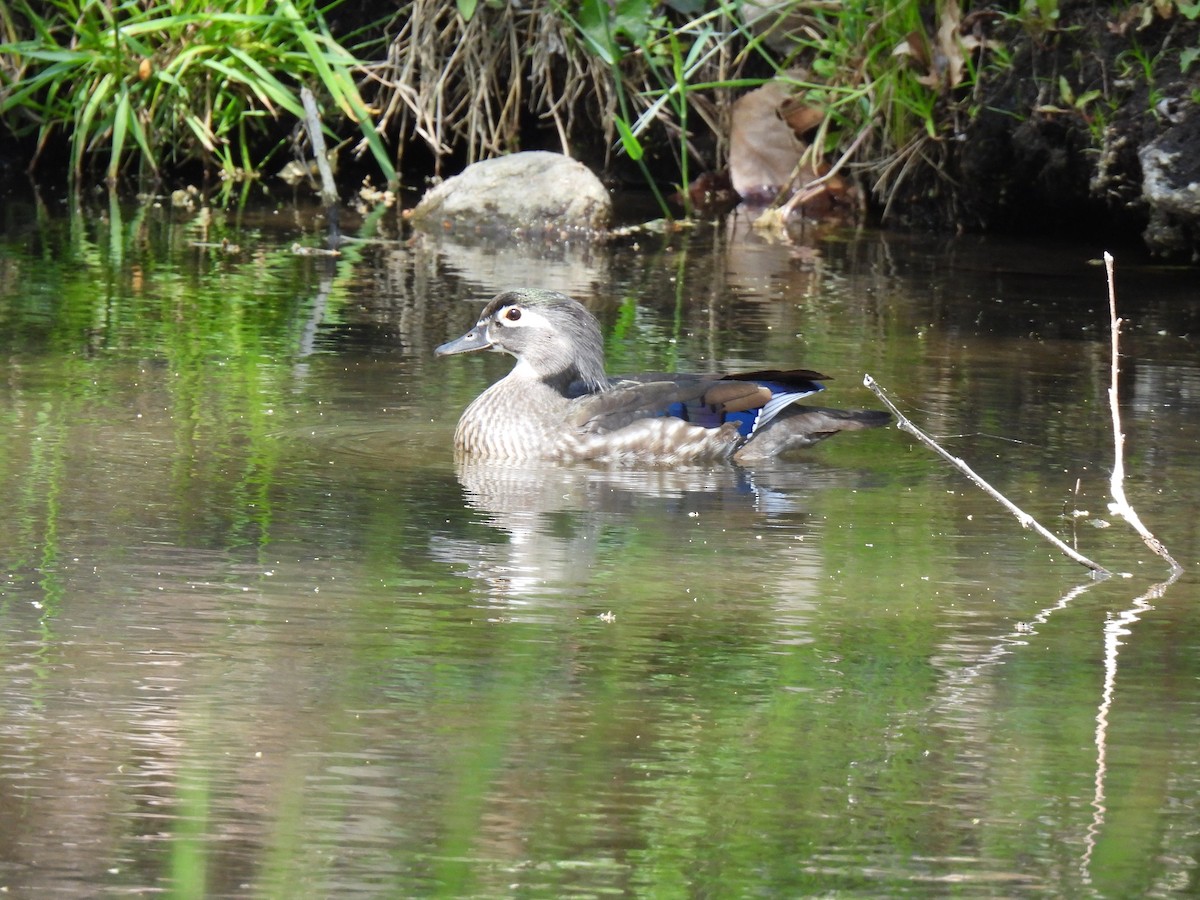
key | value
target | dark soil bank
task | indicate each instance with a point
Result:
(1094, 130)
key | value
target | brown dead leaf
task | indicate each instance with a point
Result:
(763, 148)
(767, 137)
(949, 43)
(939, 60)
(800, 116)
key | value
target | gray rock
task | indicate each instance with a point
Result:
(1171, 187)
(530, 194)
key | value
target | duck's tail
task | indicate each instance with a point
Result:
(802, 426)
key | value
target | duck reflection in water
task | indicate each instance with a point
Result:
(565, 524)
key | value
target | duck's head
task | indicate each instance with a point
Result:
(548, 332)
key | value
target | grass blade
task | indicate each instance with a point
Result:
(82, 138)
(117, 144)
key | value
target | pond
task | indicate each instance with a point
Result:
(261, 636)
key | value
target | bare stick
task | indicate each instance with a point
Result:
(312, 121)
(1026, 520)
(773, 219)
(1120, 505)
(815, 187)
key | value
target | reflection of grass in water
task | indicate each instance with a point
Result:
(37, 513)
(201, 335)
(192, 833)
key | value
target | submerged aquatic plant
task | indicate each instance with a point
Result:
(169, 82)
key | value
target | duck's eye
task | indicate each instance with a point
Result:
(513, 314)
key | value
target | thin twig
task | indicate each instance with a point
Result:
(1120, 505)
(329, 193)
(312, 120)
(1026, 520)
(814, 188)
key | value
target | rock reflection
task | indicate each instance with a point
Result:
(576, 269)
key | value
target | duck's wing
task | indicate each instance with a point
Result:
(746, 391)
(750, 399)
(758, 397)
(629, 399)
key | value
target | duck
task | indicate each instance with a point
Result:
(559, 404)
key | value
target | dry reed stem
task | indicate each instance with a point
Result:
(465, 85)
(1120, 505)
(817, 185)
(1026, 520)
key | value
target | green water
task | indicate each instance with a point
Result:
(259, 637)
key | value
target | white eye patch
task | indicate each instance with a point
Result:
(520, 317)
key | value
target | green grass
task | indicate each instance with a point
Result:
(675, 75)
(150, 85)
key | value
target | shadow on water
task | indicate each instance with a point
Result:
(262, 636)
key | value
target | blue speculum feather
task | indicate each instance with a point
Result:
(749, 420)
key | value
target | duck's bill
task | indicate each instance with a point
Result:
(475, 339)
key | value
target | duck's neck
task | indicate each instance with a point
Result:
(570, 381)
(589, 373)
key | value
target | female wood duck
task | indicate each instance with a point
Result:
(558, 404)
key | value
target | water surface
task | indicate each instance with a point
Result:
(261, 637)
